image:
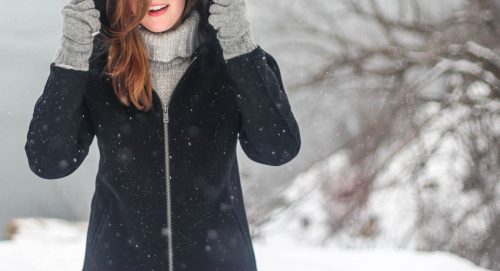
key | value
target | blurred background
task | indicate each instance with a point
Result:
(398, 105)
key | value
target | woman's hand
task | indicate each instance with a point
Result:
(229, 18)
(80, 24)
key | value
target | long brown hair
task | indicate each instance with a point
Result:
(128, 63)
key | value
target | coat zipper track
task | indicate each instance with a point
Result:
(167, 170)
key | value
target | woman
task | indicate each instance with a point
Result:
(167, 94)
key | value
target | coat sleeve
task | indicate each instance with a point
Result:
(268, 132)
(60, 131)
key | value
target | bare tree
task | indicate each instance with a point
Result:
(423, 80)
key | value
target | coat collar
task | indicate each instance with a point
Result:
(207, 34)
(205, 56)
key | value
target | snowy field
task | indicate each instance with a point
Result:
(55, 245)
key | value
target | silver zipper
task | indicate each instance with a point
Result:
(167, 170)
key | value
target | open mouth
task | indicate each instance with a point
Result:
(157, 10)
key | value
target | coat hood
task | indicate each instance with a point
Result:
(99, 55)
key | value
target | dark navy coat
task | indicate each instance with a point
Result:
(150, 211)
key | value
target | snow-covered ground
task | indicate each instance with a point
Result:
(56, 245)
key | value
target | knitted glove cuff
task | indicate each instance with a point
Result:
(241, 45)
(73, 55)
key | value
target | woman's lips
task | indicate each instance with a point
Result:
(158, 12)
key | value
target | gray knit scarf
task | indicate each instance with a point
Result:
(179, 42)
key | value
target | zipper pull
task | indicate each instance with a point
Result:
(165, 106)
(165, 115)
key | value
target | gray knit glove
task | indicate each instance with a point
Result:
(229, 18)
(80, 25)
